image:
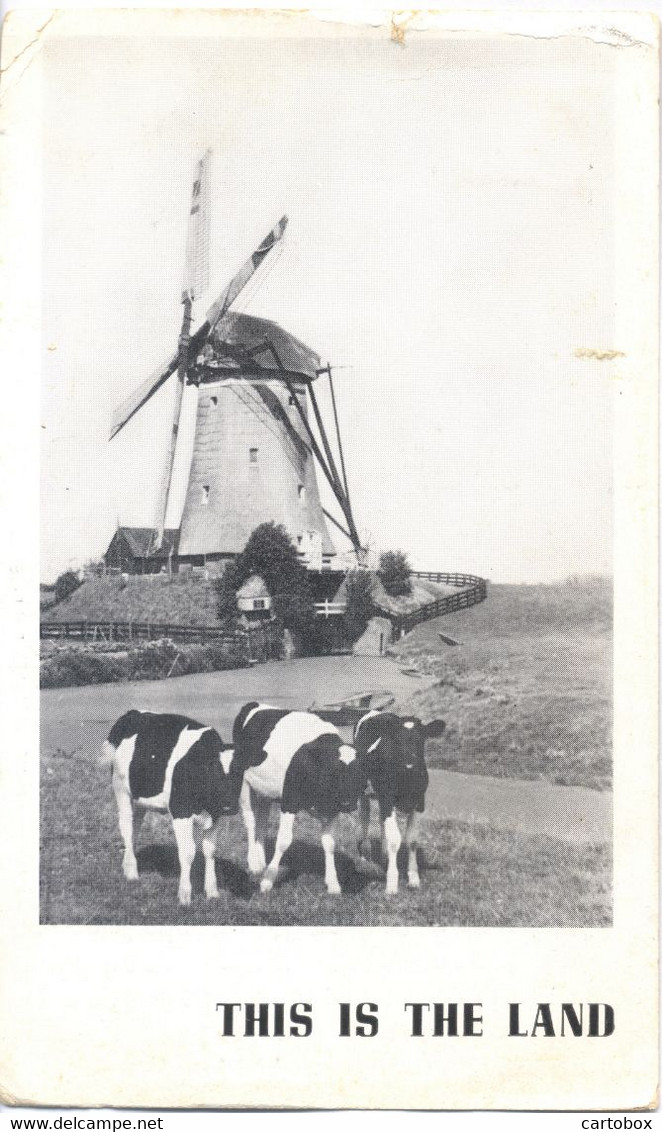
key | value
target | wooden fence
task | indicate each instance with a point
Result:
(448, 579)
(474, 591)
(256, 642)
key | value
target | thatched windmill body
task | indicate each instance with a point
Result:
(255, 451)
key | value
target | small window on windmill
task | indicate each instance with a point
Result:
(301, 491)
(291, 400)
(213, 401)
(252, 455)
(205, 495)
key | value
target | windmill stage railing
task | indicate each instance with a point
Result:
(473, 591)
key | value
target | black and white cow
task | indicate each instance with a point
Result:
(172, 764)
(392, 749)
(296, 758)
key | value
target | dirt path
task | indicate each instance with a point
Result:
(76, 720)
(539, 807)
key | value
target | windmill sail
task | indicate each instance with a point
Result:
(196, 279)
(228, 295)
(237, 284)
(196, 274)
(142, 394)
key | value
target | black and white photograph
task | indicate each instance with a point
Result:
(342, 372)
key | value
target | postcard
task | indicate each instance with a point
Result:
(330, 446)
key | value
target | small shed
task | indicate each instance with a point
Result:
(131, 550)
(253, 598)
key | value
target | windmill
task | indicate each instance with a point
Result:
(254, 451)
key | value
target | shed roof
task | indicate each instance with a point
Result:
(140, 539)
(255, 586)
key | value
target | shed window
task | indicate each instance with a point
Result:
(258, 603)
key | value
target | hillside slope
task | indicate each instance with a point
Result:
(183, 600)
(157, 598)
(423, 592)
(528, 694)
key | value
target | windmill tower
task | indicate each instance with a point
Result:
(255, 451)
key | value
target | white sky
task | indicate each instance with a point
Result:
(450, 242)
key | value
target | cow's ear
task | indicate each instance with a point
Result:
(435, 728)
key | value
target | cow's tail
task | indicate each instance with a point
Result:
(107, 754)
(237, 730)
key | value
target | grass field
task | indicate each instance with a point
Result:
(471, 875)
(527, 694)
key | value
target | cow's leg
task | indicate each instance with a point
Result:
(283, 842)
(364, 819)
(185, 838)
(125, 816)
(411, 841)
(329, 847)
(261, 809)
(209, 843)
(249, 803)
(392, 841)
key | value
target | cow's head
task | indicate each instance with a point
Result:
(398, 740)
(228, 777)
(232, 779)
(341, 776)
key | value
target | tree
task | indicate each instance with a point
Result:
(270, 553)
(66, 585)
(395, 571)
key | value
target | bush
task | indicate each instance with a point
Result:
(75, 667)
(360, 607)
(270, 553)
(66, 585)
(155, 660)
(395, 571)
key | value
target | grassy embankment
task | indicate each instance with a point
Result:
(155, 598)
(528, 693)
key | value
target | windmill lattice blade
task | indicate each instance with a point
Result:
(142, 394)
(196, 275)
(237, 284)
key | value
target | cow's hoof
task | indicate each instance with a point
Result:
(266, 884)
(391, 890)
(212, 894)
(130, 872)
(413, 880)
(185, 899)
(333, 889)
